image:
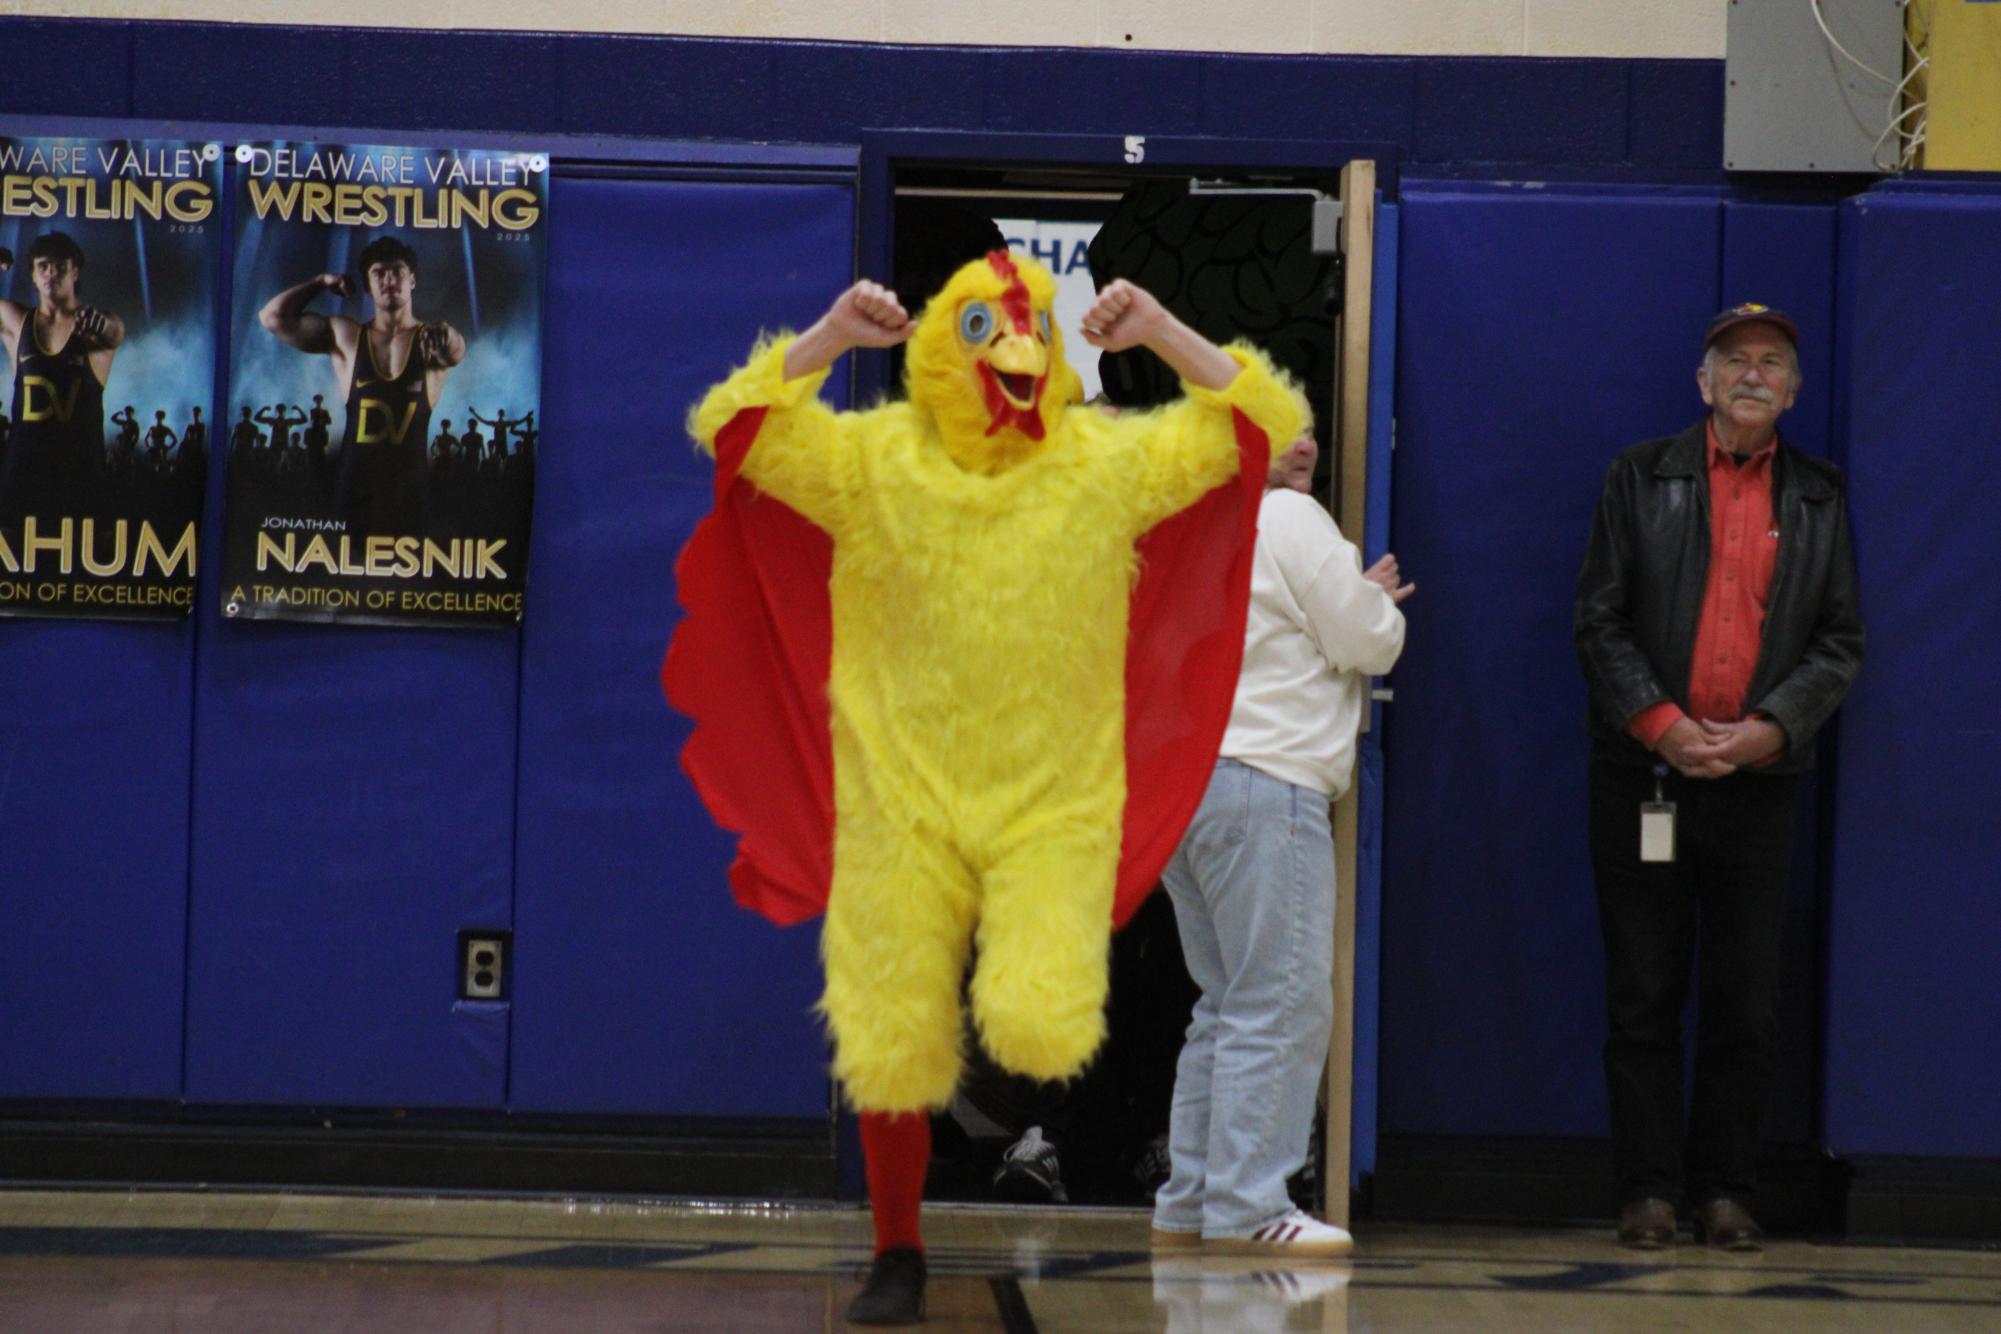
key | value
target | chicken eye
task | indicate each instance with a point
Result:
(1045, 326)
(976, 322)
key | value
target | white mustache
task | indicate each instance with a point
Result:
(1761, 395)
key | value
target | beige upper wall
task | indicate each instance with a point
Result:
(1669, 28)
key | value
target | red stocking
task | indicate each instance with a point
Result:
(896, 1148)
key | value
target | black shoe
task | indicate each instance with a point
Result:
(1303, 1186)
(1029, 1172)
(1728, 1226)
(894, 1291)
(1647, 1225)
(1154, 1166)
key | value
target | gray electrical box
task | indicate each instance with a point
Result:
(1791, 102)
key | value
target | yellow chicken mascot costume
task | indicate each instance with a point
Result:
(959, 667)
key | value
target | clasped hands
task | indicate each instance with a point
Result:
(1700, 748)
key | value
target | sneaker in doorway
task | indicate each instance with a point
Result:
(1295, 1233)
(1029, 1172)
(1154, 1166)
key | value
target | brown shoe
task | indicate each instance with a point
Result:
(1728, 1226)
(1647, 1225)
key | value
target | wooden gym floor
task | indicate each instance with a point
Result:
(218, 1263)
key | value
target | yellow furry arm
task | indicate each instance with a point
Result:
(1190, 448)
(804, 453)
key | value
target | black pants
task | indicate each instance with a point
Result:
(1724, 898)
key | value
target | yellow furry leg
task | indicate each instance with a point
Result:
(899, 921)
(1044, 943)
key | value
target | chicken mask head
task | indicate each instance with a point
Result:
(987, 363)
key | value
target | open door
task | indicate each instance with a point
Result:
(1361, 505)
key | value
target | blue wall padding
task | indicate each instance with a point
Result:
(1913, 1009)
(1540, 332)
(1783, 255)
(94, 744)
(354, 810)
(479, 1035)
(642, 987)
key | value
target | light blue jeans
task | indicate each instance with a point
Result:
(1253, 891)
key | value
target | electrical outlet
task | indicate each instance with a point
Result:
(483, 965)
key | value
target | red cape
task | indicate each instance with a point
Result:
(748, 663)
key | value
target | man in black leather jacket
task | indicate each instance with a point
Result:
(1717, 626)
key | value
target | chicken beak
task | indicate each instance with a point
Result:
(1019, 354)
(1018, 363)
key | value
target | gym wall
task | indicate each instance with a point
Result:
(1564, 234)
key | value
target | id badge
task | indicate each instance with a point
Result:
(1656, 831)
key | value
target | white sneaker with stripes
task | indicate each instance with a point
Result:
(1296, 1233)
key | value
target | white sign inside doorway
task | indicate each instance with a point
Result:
(1060, 247)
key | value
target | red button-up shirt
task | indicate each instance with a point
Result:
(1743, 549)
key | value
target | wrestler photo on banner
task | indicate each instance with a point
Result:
(385, 383)
(110, 251)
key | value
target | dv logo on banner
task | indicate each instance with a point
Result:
(385, 376)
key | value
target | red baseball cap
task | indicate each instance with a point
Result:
(1750, 312)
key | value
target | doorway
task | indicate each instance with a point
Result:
(1239, 239)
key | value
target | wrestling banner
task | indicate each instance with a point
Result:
(110, 255)
(385, 376)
